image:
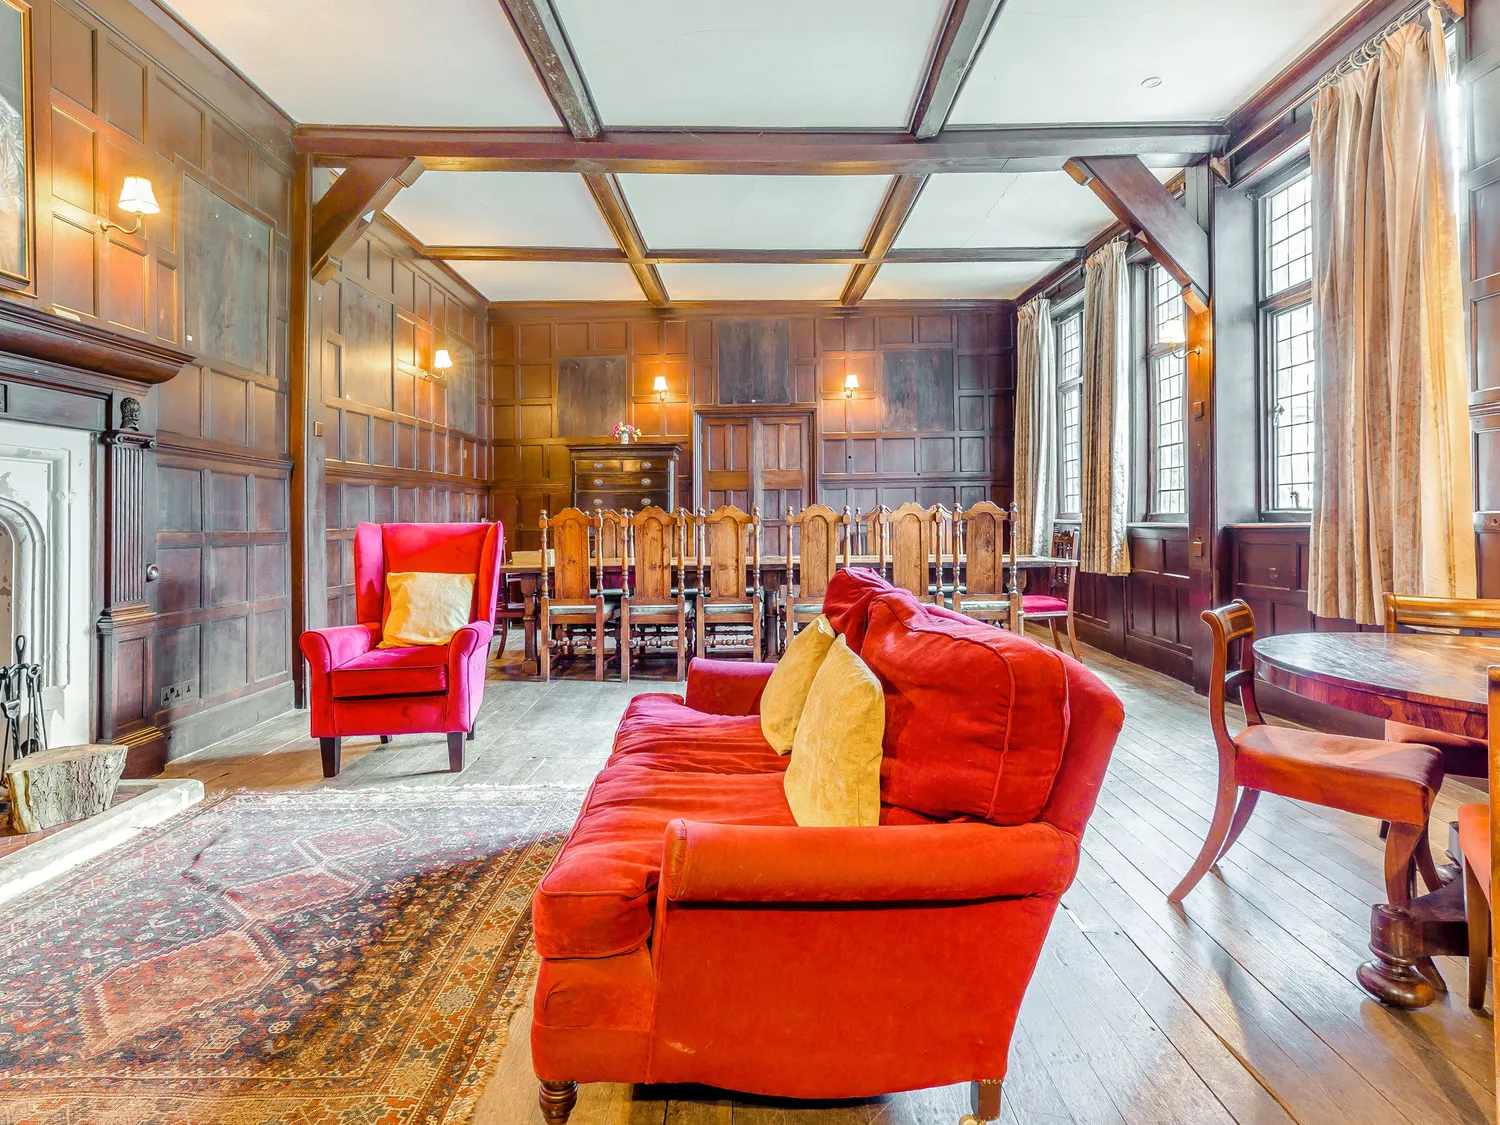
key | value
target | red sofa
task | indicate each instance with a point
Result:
(356, 688)
(691, 932)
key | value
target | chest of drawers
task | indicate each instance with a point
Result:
(625, 478)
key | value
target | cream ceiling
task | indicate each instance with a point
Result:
(770, 64)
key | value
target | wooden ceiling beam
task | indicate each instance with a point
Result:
(366, 186)
(964, 31)
(730, 256)
(894, 209)
(616, 211)
(1143, 203)
(759, 152)
(541, 33)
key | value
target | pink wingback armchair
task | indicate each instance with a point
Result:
(356, 688)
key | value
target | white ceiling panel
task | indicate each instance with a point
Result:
(717, 281)
(754, 212)
(501, 209)
(770, 64)
(932, 281)
(378, 62)
(960, 209)
(1049, 61)
(551, 281)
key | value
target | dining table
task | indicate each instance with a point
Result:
(774, 570)
(1432, 680)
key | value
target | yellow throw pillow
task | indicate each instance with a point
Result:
(426, 608)
(833, 779)
(786, 691)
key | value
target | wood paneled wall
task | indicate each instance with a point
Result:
(932, 420)
(402, 441)
(118, 90)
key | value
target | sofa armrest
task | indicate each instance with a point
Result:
(726, 687)
(907, 863)
(327, 649)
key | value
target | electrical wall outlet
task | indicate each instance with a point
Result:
(173, 694)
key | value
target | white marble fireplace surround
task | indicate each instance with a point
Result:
(46, 481)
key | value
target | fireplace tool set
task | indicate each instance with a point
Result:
(24, 729)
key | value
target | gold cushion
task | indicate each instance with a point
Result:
(833, 779)
(426, 608)
(786, 690)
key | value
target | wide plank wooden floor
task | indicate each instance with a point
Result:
(1239, 1007)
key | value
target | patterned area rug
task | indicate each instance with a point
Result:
(300, 959)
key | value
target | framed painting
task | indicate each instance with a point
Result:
(15, 143)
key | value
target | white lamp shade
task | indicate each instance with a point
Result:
(442, 360)
(1173, 333)
(660, 383)
(851, 382)
(137, 197)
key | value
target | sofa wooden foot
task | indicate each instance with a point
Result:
(557, 1100)
(470, 736)
(985, 1102)
(332, 749)
(387, 739)
(457, 750)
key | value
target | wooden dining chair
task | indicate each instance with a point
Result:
(653, 602)
(729, 590)
(1462, 756)
(1477, 846)
(912, 539)
(986, 539)
(821, 538)
(572, 593)
(1056, 605)
(867, 536)
(1391, 781)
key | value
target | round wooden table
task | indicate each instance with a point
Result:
(1428, 680)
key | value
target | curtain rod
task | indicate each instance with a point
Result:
(1368, 51)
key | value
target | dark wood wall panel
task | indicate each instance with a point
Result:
(932, 420)
(403, 441)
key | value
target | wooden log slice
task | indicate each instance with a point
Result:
(57, 786)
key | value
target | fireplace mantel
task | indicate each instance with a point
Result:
(36, 334)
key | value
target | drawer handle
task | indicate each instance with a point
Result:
(645, 482)
(645, 501)
(598, 481)
(645, 464)
(598, 464)
(1274, 574)
(598, 503)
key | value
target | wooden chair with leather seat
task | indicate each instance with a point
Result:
(729, 590)
(988, 590)
(1056, 604)
(912, 537)
(654, 602)
(1477, 844)
(1462, 757)
(821, 537)
(1391, 781)
(576, 596)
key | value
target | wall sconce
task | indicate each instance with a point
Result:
(442, 360)
(1174, 334)
(659, 385)
(851, 384)
(137, 198)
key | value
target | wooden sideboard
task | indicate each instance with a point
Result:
(625, 478)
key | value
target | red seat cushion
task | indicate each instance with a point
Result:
(1474, 841)
(421, 670)
(1365, 776)
(598, 898)
(846, 602)
(662, 732)
(976, 718)
(1043, 603)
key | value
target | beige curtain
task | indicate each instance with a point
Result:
(1036, 438)
(1106, 412)
(1393, 501)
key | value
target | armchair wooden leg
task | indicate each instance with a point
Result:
(557, 1100)
(458, 750)
(1477, 911)
(332, 749)
(470, 736)
(984, 1103)
(387, 739)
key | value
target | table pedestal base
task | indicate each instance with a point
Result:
(1404, 939)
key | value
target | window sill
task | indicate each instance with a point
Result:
(1292, 522)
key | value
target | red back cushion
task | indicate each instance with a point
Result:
(846, 602)
(976, 718)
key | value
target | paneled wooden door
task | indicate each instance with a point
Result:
(762, 460)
